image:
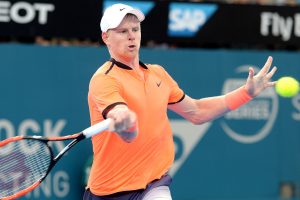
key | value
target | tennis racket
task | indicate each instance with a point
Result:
(22, 172)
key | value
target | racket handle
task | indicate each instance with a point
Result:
(97, 128)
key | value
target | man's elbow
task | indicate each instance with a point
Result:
(197, 120)
(200, 119)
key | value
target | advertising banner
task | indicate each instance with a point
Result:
(176, 23)
(66, 19)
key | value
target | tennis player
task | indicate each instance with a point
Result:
(134, 164)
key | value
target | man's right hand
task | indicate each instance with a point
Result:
(124, 122)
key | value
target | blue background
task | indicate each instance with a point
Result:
(48, 86)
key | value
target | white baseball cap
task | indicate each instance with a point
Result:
(114, 15)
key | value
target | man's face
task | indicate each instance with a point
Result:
(124, 41)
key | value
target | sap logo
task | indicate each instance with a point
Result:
(187, 19)
(145, 6)
(24, 12)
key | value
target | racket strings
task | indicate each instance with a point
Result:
(22, 163)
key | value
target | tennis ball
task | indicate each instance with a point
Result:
(287, 86)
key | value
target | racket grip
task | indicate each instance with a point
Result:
(97, 128)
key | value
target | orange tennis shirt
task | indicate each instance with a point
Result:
(120, 166)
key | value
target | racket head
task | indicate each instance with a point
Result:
(24, 163)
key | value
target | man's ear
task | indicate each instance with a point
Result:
(104, 36)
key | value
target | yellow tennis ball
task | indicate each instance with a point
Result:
(287, 86)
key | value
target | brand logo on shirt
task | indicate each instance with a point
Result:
(122, 9)
(158, 83)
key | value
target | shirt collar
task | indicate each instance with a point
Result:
(123, 66)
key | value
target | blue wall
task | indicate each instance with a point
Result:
(246, 154)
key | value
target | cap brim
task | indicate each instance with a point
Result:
(138, 14)
(135, 12)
